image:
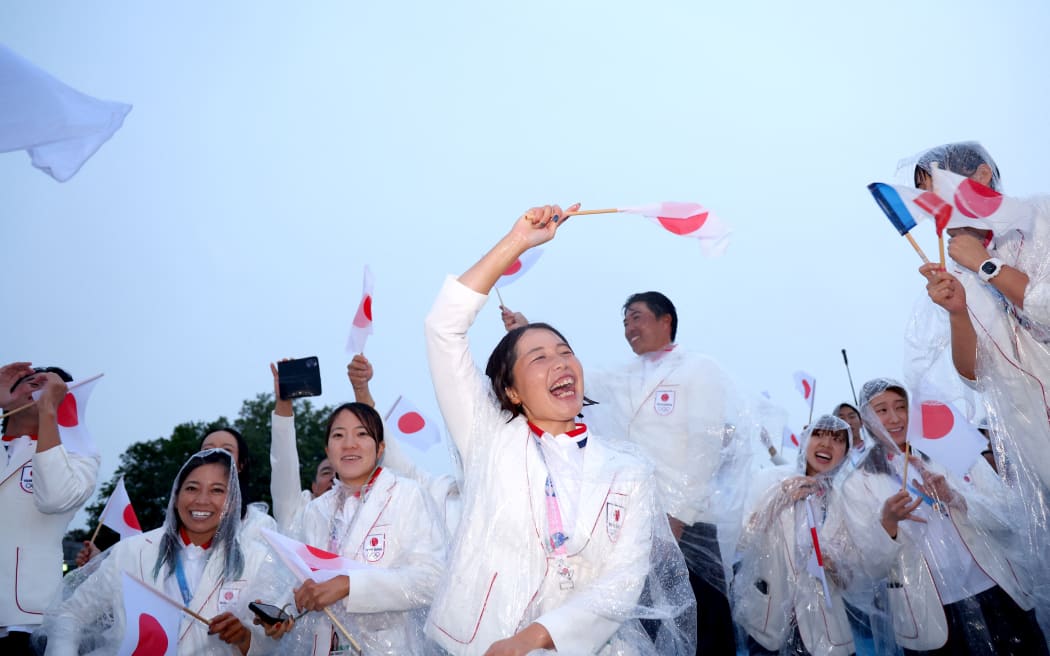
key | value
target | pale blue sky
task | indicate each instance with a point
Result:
(276, 148)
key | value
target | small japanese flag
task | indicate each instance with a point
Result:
(152, 624)
(118, 513)
(410, 426)
(362, 325)
(807, 387)
(308, 562)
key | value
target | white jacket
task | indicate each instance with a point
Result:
(984, 528)
(101, 595)
(676, 409)
(397, 535)
(500, 576)
(39, 494)
(773, 586)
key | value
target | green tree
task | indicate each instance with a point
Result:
(149, 467)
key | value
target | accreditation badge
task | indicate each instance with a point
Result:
(230, 595)
(663, 401)
(375, 547)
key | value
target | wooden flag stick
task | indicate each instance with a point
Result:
(171, 601)
(97, 528)
(33, 402)
(918, 250)
(608, 210)
(940, 246)
(342, 629)
(499, 296)
(907, 452)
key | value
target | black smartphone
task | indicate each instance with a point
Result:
(267, 613)
(299, 378)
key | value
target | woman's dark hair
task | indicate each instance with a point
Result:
(500, 367)
(198, 460)
(244, 462)
(844, 404)
(366, 414)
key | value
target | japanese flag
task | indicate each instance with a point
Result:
(688, 220)
(807, 387)
(308, 562)
(939, 430)
(519, 267)
(118, 513)
(57, 125)
(789, 440)
(152, 623)
(362, 324)
(978, 206)
(71, 417)
(410, 426)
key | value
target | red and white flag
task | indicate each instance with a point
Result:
(362, 325)
(410, 426)
(789, 440)
(978, 206)
(815, 564)
(688, 220)
(938, 429)
(71, 417)
(806, 385)
(519, 267)
(152, 621)
(118, 513)
(308, 562)
(57, 125)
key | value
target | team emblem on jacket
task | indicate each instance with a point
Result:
(663, 401)
(26, 480)
(375, 547)
(615, 510)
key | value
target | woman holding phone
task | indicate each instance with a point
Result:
(561, 545)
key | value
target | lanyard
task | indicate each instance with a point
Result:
(334, 539)
(180, 576)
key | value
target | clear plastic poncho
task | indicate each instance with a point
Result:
(952, 570)
(779, 594)
(89, 616)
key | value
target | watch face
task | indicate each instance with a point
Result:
(989, 267)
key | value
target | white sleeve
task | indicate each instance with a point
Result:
(463, 392)
(285, 485)
(62, 481)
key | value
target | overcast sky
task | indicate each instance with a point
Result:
(274, 149)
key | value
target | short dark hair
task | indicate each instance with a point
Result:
(500, 367)
(658, 304)
(62, 373)
(366, 414)
(962, 158)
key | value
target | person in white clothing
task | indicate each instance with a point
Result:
(198, 558)
(385, 522)
(561, 532)
(43, 486)
(951, 585)
(778, 599)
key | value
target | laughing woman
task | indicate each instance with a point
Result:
(778, 600)
(196, 558)
(561, 545)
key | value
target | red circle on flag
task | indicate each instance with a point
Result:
(152, 638)
(411, 422)
(806, 389)
(130, 519)
(321, 553)
(367, 307)
(67, 411)
(513, 268)
(683, 226)
(937, 420)
(976, 200)
(794, 440)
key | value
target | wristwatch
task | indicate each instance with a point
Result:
(990, 268)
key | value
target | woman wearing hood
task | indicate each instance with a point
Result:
(778, 598)
(196, 558)
(944, 552)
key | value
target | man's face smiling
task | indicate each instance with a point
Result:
(643, 331)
